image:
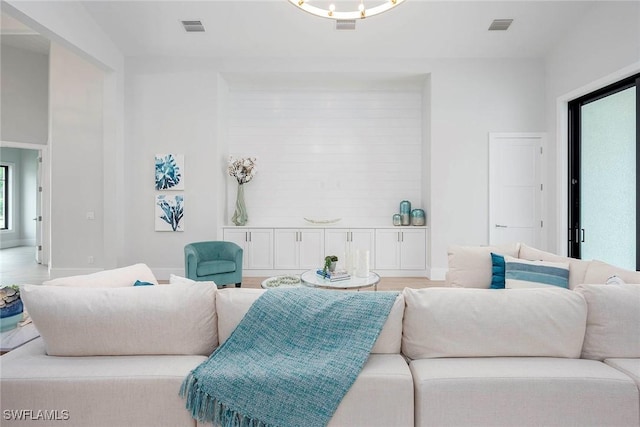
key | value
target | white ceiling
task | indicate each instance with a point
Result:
(276, 29)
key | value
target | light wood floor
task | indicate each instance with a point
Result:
(18, 265)
(386, 283)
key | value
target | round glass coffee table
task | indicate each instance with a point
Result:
(310, 278)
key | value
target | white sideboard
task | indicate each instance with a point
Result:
(257, 244)
(269, 251)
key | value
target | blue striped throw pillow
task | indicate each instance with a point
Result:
(521, 273)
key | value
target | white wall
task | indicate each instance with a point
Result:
(71, 27)
(24, 112)
(471, 98)
(326, 154)
(77, 173)
(181, 106)
(603, 49)
(171, 107)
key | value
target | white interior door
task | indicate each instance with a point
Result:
(516, 188)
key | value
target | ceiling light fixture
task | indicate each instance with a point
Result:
(361, 12)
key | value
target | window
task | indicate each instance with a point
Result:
(4, 197)
(604, 187)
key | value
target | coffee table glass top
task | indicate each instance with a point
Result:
(311, 278)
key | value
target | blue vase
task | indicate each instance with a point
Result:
(418, 217)
(397, 219)
(405, 212)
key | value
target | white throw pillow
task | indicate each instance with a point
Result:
(600, 272)
(117, 277)
(454, 322)
(174, 279)
(613, 321)
(522, 273)
(135, 320)
(471, 267)
(233, 304)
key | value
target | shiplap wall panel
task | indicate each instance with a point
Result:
(325, 155)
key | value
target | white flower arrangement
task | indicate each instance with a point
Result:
(243, 170)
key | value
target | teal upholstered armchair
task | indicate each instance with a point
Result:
(217, 261)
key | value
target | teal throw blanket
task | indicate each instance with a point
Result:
(291, 359)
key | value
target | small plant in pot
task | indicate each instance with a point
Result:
(10, 307)
(330, 263)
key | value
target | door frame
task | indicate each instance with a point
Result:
(45, 201)
(574, 125)
(542, 136)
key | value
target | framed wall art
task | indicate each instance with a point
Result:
(169, 171)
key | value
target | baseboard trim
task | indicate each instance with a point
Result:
(7, 244)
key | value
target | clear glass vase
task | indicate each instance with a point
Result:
(240, 216)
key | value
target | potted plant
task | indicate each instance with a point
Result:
(329, 263)
(10, 307)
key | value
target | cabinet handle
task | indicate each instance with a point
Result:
(398, 236)
(300, 234)
(402, 236)
(249, 236)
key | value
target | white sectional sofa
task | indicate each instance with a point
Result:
(126, 368)
(445, 357)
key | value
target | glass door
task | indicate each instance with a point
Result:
(603, 179)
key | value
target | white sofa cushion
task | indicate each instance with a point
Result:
(117, 277)
(577, 267)
(599, 272)
(163, 319)
(522, 273)
(522, 391)
(139, 391)
(233, 304)
(629, 367)
(613, 321)
(470, 266)
(381, 396)
(454, 322)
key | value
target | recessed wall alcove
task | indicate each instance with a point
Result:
(330, 145)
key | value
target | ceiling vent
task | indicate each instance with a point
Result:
(193, 26)
(500, 24)
(346, 24)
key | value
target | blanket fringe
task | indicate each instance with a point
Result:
(206, 408)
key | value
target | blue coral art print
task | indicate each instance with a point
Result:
(169, 172)
(169, 212)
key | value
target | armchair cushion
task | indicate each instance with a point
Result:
(206, 268)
